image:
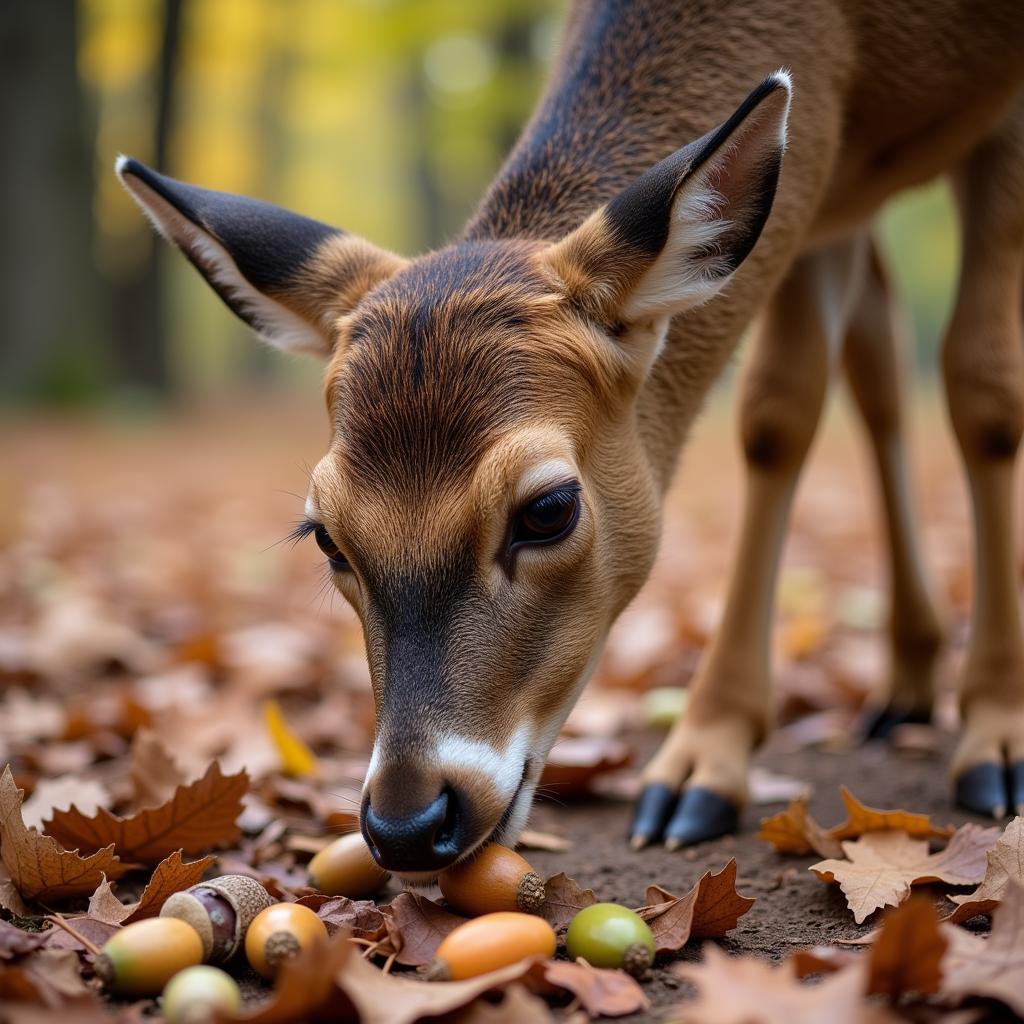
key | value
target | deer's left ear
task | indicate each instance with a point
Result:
(288, 277)
(674, 237)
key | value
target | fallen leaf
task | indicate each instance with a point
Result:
(882, 866)
(154, 774)
(795, 831)
(10, 898)
(417, 926)
(1005, 865)
(198, 817)
(745, 990)
(16, 942)
(38, 867)
(297, 760)
(991, 968)
(575, 762)
(66, 790)
(769, 787)
(48, 977)
(362, 919)
(861, 819)
(709, 910)
(97, 932)
(517, 1006)
(564, 898)
(602, 993)
(907, 955)
(171, 875)
(82, 1009)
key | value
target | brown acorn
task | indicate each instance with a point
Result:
(221, 911)
(347, 868)
(279, 933)
(493, 880)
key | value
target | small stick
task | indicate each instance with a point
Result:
(74, 933)
(389, 963)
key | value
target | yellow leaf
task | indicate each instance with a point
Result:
(297, 759)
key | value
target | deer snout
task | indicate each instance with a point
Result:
(412, 828)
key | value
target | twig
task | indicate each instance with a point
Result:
(389, 963)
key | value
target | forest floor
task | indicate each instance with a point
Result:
(143, 585)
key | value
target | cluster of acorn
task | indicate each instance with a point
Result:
(208, 924)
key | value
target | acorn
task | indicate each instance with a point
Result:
(279, 933)
(221, 911)
(490, 942)
(609, 935)
(199, 995)
(493, 880)
(142, 957)
(347, 868)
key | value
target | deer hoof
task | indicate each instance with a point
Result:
(986, 788)
(698, 814)
(879, 723)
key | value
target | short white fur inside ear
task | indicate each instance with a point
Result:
(692, 268)
(273, 322)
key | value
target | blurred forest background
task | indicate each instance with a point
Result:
(386, 117)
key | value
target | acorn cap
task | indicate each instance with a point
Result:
(221, 928)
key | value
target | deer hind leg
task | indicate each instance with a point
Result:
(872, 362)
(983, 363)
(697, 781)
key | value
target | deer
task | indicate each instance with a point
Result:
(507, 411)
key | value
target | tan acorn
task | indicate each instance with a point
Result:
(279, 933)
(347, 868)
(495, 879)
(142, 957)
(221, 911)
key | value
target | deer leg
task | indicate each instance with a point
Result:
(983, 363)
(697, 781)
(872, 363)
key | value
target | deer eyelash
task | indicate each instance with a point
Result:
(303, 529)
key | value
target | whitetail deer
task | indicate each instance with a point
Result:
(506, 412)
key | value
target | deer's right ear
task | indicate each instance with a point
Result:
(288, 277)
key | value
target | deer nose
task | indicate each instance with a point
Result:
(428, 839)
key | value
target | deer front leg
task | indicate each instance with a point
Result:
(697, 781)
(983, 362)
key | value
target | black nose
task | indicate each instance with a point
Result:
(427, 840)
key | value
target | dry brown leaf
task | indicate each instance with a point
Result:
(575, 762)
(96, 932)
(564, 898)
(171, 875)
(907, 955)
(38, 867)
(154, 774)
(10, 898)
(745, 990)
(81, 1009)
(517, 1006)
(823, 960)
(709, 910)
(15, 942)
(75, 789)
(795, 831)
(362, 919)
(531, 839)
(1005, 865)
(198, 817)
(602, 993)
(416, 926)
(861, 819)
(991, 968)
(882, 866)
(48, 977)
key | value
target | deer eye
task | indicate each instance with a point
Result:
(548, 518)
(329, 548)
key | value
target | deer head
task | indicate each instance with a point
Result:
(486, 504)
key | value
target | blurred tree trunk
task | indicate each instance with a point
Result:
(138, 319)
(48, 310)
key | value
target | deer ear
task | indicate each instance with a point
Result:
(288, 277)
(674, 237)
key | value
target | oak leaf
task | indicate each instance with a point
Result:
(362, 919)
(882, 866)
(861, 819)
(601, 992)
(564, 898)
(154, 774)
(991, 968)
(710, 909)
(907, 954)
(171, 875)
(795, 831)
(38, 867)
(199, 816)
(745, 990)
(416, 926)
(1005, 866)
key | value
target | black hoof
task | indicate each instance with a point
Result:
(879, 723)
(982, 789)
(653, 809)
(700, 815)
(1015, 786)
